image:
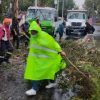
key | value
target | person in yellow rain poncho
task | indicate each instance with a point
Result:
(44, 58)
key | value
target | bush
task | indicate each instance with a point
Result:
(85, 81)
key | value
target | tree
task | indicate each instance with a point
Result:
(68, 5)
(92, 6)
(24, 4)
(4, 8)
(46, 3)
(15, 8)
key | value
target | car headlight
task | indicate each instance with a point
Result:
(68, 24)
(83, 25)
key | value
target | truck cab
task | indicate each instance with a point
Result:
(75, 23)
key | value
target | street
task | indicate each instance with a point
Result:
(97, 36)
(27, 55)
(97, 31)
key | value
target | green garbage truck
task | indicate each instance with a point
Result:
(47, 17)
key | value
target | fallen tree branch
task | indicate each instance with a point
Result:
(67, 59)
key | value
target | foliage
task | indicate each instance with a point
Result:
(86, 85)
(92, 6)
(24, 4)
(68, 4)
(4, 8)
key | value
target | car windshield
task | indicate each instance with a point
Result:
(76, 15)
(42, 14)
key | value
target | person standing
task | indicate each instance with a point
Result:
(15, 32)
(89, 29)
(90, 20)
(61, 30)
(5, 45)
(44, 58)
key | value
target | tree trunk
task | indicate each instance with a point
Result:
(0, 12)
(15, 8)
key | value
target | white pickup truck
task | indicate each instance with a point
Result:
(75, 23)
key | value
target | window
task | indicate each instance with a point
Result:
(42, 14)
(76, 15)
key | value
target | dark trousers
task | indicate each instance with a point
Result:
(60, 35)
(5, 45)
(35, 85)
(16, 41)
(5, 51)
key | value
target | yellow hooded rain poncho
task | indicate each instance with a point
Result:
(43, 60)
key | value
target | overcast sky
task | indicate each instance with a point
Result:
(79, 3)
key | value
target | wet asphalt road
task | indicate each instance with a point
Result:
(97, 36)
(97, 31)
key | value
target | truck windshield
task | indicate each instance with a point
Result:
(42, 14)
(76, 15)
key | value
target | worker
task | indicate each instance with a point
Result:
(44, 59)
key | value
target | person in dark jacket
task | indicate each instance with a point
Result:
(89, 29)
(60, 30)
(26, 35)
(15, 32)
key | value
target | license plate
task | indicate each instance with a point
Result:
(75, 30)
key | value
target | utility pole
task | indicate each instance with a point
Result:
(56, 2)
(62, 8)
(58, 7)
(36, 3)
(0, 2)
